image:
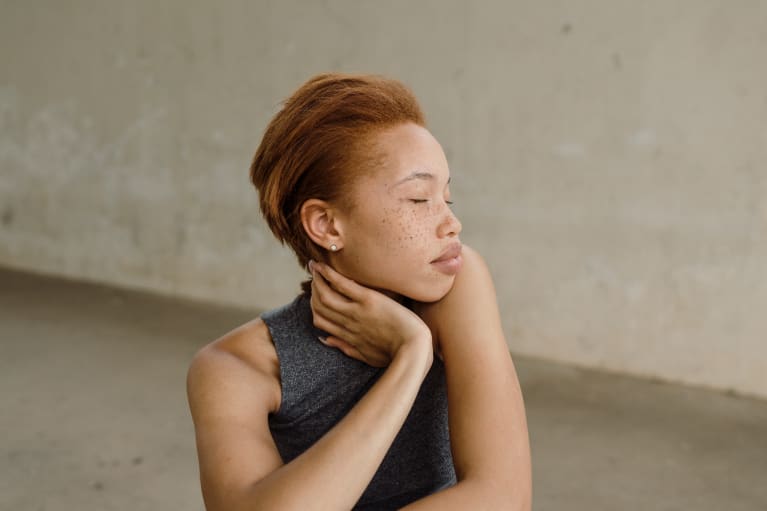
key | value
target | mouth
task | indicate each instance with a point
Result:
(450, 261)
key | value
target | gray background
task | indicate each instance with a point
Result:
(608, 157)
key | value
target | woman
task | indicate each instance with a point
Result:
(336, 400)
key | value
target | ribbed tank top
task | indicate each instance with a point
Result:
(320, 385)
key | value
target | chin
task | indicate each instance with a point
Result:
(431, 292)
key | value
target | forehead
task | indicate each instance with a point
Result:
(405, 150)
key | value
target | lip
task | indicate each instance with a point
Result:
(450, 261)
(452, 251)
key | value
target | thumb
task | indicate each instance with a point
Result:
(333, 342)
(343, 346)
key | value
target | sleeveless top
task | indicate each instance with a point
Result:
(320, 385)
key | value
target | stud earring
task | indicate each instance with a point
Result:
(333, 247)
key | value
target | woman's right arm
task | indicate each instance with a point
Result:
(240, 467)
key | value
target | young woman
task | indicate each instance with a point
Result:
(337, 400)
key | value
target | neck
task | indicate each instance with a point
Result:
(394, 296)
(334, 263)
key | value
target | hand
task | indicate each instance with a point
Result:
(363, 323)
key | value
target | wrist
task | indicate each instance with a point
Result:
(420, 351)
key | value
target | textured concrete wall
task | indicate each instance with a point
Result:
(609, 158)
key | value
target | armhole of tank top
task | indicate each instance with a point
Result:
(270, 339)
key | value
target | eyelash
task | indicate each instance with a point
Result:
(421, 201)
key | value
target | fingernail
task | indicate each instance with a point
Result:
(323, 340)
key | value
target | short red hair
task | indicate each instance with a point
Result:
(318, 143)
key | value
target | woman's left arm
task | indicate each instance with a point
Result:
(488, 428)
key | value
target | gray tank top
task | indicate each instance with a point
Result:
(320, 385)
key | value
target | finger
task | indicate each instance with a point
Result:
(327, 302)
(332, 328)
(348, 349)
(325, 314)
(331, 297)
(343, 285)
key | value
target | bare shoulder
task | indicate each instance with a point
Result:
(474, 273)
(471, 298)
(232, 386)
(243, 360)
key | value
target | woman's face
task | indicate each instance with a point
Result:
(402, 223)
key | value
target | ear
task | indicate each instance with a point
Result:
(321, 223)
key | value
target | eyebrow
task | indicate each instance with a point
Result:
(418, 175)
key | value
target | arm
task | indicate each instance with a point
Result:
(488, 428)
(240, 467)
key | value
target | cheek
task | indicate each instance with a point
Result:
(399, 231)
(410, 232)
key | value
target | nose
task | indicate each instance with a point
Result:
(450, 226)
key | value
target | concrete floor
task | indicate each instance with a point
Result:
(94, 415)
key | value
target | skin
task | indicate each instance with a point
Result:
(386, 245)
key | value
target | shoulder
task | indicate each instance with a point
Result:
(474, 271)
(472, 295)
(232, 386)
(472, 281)
(243, 360)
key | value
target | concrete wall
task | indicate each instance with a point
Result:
(609, 158)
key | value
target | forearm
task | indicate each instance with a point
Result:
(488, 428)
(504, 483)
(470, 494)
(335, 471)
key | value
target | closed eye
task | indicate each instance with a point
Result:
(421, 201)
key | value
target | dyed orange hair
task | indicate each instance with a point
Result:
(318, 143)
